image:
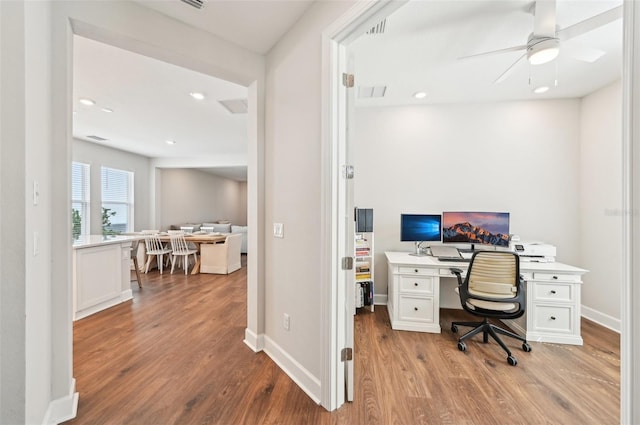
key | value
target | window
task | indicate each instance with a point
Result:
(117, 201)
(80, 200)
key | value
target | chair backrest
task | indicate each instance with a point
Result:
(153, 243)
(494, 274)
(178, 243)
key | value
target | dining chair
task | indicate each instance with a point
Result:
(179, 248)
(155, 248)
(221, 258)
(134, 258)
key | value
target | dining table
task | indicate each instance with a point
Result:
(197, 238)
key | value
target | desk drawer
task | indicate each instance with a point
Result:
(553, 292)
(553, 318)
(555, 277)
(415, 309)
(416, 284)
(416, 270)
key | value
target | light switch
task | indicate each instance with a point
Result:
(278, 230)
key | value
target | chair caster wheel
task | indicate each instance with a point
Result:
(512, 360)
(454, 329)
(526, 347)
(462, 346)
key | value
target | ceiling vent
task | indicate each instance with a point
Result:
(378, 28)
(198, 4)
(371, 91)
(235, 106)
(97, 138)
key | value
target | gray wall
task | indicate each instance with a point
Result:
(192, 196)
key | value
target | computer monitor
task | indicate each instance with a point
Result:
(420, 228)
(485, 228)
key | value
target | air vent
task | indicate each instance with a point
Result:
(198, 4)
(97, 138)
(371, 91)
(378, 28)
(235, 106)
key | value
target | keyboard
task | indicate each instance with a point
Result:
(454, 259)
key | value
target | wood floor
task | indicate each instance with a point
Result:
(174, 355)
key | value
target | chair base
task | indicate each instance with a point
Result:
(489, 329)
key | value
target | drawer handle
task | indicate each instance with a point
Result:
(555, 277)
(415, 284)
(415, 270)
(415, 308)
(552, 292)
(553, 317)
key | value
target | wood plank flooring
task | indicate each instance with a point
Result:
(175, 355)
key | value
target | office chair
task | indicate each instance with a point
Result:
(492, 288)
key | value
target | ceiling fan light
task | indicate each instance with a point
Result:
(543, 51)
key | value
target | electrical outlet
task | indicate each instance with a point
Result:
(286, 321)
(278, 230)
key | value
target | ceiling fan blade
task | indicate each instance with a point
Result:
(544, 19)
(495, 52)
(507, 71)
(590, 24)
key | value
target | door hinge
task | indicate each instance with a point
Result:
(347, 263)
(348, 80)
(348, 172)
(346, 354)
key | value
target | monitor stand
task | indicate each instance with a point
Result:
(472, 249)
(417, 250)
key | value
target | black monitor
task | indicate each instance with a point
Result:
(485, 228)
(420, 228)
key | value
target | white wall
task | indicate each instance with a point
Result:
(292, 196)
(192, 196)
(516, 157)
(601, 204)
(98, 156)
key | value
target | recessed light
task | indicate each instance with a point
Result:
(171, 142)
(420, 95)
(541, 89)
(108, 110)
(87, 102)
(197, 95)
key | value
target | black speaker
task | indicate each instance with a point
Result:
(364, 220)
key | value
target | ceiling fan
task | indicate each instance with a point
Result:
(543, 44)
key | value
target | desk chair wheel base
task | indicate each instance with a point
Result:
(526, 347)
(462, 346)
(512, 360)
(454, 329)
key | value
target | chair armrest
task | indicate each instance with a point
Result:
(458, 272)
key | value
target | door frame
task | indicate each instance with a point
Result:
(334, 41)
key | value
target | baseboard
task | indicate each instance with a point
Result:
(380, 299)
(62, 409)
(125, 295)
(601, 318)
(302, 377)
(253, 340)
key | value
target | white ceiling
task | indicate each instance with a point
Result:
(423, 41)
(418, 51)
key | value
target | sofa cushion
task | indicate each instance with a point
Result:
(222, 228)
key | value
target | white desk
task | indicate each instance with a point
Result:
(553, 297)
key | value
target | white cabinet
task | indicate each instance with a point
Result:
(553, 308)
(413, 298)
(364, 270)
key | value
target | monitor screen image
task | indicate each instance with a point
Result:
(420, 227)
(487, 228)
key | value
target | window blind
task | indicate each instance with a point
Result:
(117, 200)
